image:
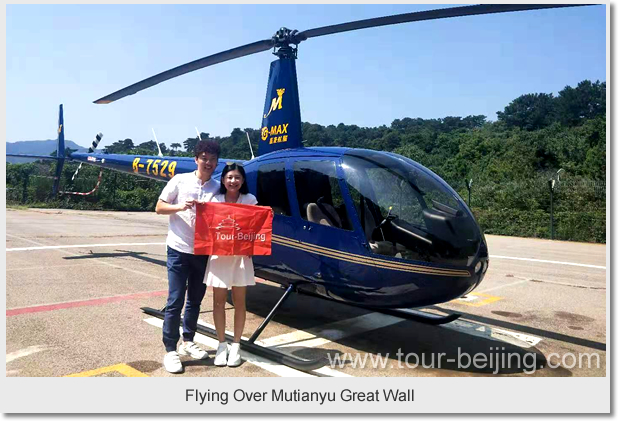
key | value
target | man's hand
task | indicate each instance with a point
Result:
(188, 204)
(164, 208)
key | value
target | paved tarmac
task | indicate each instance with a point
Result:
(76, 280)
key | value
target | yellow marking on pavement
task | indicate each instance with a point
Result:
(473, 299)
(123, 369)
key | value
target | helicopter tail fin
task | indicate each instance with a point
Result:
(59, 152)
(281, 125)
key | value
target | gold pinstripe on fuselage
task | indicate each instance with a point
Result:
(366, 260)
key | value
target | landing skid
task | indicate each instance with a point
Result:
(404, 313)
(306, 366)
(419, 316)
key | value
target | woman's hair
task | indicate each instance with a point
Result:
(230, 167)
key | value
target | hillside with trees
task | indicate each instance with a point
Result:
(511, 161)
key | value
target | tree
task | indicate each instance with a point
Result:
(529, 112)
(121, 146)
(190, 144)
(147, 148)
(575, 105)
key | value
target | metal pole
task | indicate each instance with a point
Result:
(469, 198)
(114, 191)
(551, 207)
(469, 187)
(24, 193)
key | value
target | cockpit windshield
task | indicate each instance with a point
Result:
(406, 212)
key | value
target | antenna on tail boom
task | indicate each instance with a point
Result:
(250, 147)
(157, 142)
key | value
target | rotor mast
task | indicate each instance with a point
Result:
(282, 40)
(281, 123)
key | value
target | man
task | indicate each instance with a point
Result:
(185, 270)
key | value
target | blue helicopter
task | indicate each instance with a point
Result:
(361, 227)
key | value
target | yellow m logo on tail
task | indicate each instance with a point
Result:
(276, 104)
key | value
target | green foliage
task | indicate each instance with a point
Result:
(121, 146)
(510, 162)
(576, 105)
(529, 112)
(572, 107)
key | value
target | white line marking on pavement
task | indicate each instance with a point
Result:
(547, 261)
(89, 264)
(344, 328)
(332, 331)
(100, 262)
(25, 352)
(82, 246)
(542, 281)
(503, 286)
(487, 332)
(278, 369)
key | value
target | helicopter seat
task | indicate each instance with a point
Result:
(385, 248)
(328, 217)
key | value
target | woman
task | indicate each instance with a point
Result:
(230, 272)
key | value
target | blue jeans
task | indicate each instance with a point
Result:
(185, 274)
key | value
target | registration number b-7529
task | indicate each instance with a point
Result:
(157, 167)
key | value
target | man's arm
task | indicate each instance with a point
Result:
(164, 208)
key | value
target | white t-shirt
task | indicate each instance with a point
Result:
(243, 199)
(180, 188)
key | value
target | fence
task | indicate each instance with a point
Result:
(574, 209)
(32, 186)
(516, 208)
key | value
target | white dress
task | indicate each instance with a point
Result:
(230, 271)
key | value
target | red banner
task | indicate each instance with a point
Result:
(231, 229)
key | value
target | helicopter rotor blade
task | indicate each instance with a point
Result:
(452, 12)
(266, 44)
(237, 52)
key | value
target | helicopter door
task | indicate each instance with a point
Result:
(324, 226)
(318, 195)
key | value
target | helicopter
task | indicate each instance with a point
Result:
(361, 227)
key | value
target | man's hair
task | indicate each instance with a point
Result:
(207, 146)
(244, 189)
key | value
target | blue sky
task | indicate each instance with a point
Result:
(75, 54)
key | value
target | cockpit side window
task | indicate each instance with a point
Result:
(406, 212)
(319, 195)
(400, 197)
(271, 188)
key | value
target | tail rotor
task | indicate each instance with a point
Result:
(95, 143)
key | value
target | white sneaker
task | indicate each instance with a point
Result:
(172, 363)
(194, 351)
(221, 357)
(233, 359)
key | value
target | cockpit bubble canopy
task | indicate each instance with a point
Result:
(408, 212)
